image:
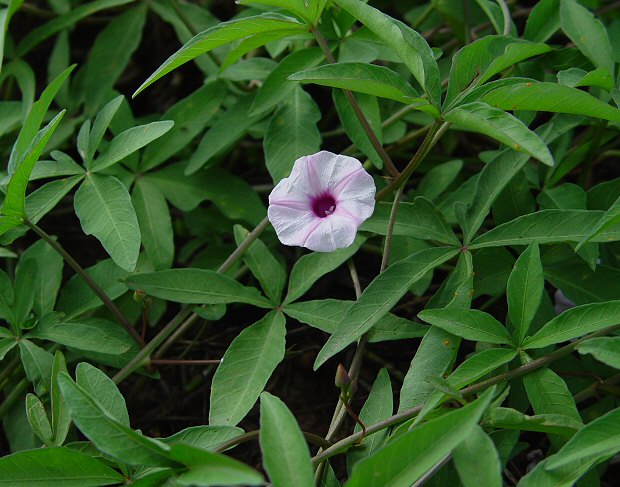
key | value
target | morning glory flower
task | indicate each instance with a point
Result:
(322, 203)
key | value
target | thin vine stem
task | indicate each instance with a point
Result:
(390, 229)
(254, 435)
(120, 317)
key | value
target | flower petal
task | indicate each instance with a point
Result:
(330, 170)
(292, 225)
(333, 232)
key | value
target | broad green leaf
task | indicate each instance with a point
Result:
(420, 219)
(550, 97)
(14, 202)
(525, 287)
(48, 29)
(204, 437)
(37, 364)
(310, 11)
(277, 87)
(44, 199)
(587, 33)
(155, 223)
(575, 322)
(478, 365)
(410, 46)
(545, 227)
(190, 115)
(104, 208)
(286, 457)
(128, 142)
(543, 21)
(37, 417)
(226, 130)
(5, 17)
(325, 314)
(609, 219)
(107, 434)
(55, 466)
(103, 390)
(82, 140)
(245, 369)
(575, 77)
(470, 324)
(196, 286)
(364, 78)
(83, 334)
(369, 106)
(25, 278)
(312, 266)
(8, 223)
(223, 33)
(477, 461)
(604, 349)
(250, 44)
(110, 55)
(380, 296)
(6, 345)
(457, 290)
(7, 297)
(436, 181)
(479, 61)
(409, 456)
(600, 438)
(265, 267)
(292, 132)
(378, 406)
(33, 121)
(501, 126)
(207, 468)
(494, 177)
(557, 424)
(100, 125)
(61, 418)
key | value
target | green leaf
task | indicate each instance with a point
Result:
(470, 324)
(207, 468)
(436, 181)
(575, 322)
(155, 223)
(544, 21)
(410, 46)
(8, 223)
(286, 457)
(44, 199)
(55, 466)
(501, 126)
(128, 142)
(364, 78)
(37, 417)
(104, 208)
(325, 314)
(7, 296)
(604, 349)
(609, 219)
(48, 29)
(5, 17)
(556, 424)
(477, 461)
(100, 125)
(35, 117)
(195, 286)
(265, 267)
(204, 437)
(478, 365)
(106, 433)
(245, 369)
(312, 266)
(600, 438)
(292, 132)
(525, 287)
(25, 278)
(549, 97)
(103, 390)
(409, 456)
(110, 55)
(574, 77)
(587, 33)
(61, 418)
(420, 219)
(309, 11)
(83, 334)
(479, 61)
(380, 296)
(37, 364)
(14, 202)
(545, 227)
(223, 33)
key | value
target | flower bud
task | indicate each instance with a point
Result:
(342, 381)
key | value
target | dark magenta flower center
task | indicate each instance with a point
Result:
(323, 205)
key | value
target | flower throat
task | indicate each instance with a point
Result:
(323, 205)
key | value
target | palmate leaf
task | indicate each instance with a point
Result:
(245, 369)
(221, 34)
(380, 296)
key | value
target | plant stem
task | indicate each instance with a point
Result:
(390, 229)
(120, 317)
(142, 357)
(253, 435)
(385, 157)
(506, 15)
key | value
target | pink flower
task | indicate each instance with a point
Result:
(322, 203)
